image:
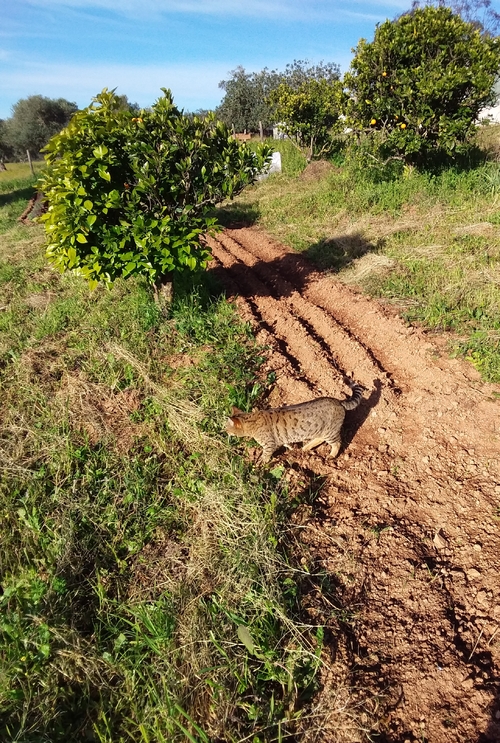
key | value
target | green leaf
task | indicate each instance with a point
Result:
(129, 268)
(81, 238)
(88, 205)
(246, 638)
(277, 472)
(101, 151)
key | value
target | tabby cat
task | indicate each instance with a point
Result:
(312, 422)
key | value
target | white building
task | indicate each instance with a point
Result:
(493, 112)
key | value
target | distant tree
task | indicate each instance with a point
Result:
(478, 12)
(244, 105)
(247, 100)
(34, 121)
(297, 73)
(311, 113)
(200, 113)
(124, 104)
(419, 86)
(6, 153)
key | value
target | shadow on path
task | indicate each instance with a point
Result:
(21, 193)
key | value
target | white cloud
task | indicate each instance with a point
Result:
(278, 9)
(193, 85)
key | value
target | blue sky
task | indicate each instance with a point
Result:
(74, 48)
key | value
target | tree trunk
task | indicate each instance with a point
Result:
(31, 164)
(164, 292)
(311, 149)
(2, 165)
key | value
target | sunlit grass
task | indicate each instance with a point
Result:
(428, 241)
(20, 170)
(136, 541)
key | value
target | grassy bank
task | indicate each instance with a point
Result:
(427, 242)
(146, 594)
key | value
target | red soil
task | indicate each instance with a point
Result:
(406, 520)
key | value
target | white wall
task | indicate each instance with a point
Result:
(493, 114)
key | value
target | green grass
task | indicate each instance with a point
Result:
(293, 161)
(456, 288)
(16, 171)
(14, 197)
(146, 590)
(427, 241)
(146, 595)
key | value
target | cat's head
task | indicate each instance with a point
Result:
(235, 425)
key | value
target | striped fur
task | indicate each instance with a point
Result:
(312, 422)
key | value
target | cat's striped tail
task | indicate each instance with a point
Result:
(357, 396)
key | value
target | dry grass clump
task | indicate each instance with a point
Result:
(367, 267)
(488, 137)
(102, 414)
(183, 415)
(479, 228)
(341, 714)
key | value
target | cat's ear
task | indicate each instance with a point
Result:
(233, 423)
(236, 411)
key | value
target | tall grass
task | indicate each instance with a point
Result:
(145, 595)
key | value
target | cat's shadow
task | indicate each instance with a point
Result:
(355, 419)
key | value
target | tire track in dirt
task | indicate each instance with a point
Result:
(406, 522)
(284, 363)
(401, 352)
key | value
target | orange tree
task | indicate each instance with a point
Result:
(421, 83)
(310, 114)
(131, 193)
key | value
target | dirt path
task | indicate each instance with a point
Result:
(406, 525)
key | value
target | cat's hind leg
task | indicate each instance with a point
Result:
(335, 446)
(312, 444)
